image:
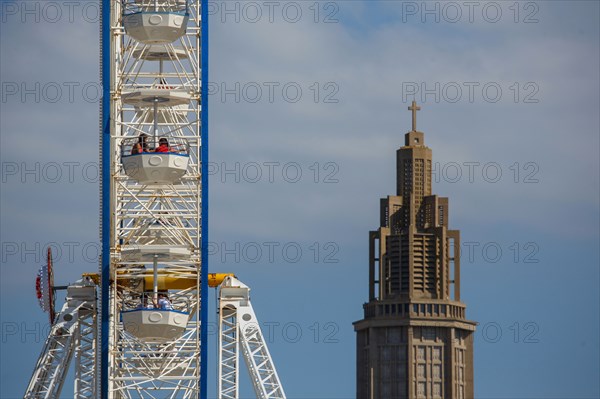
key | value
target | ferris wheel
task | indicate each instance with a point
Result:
(138, 327)
(152, 318)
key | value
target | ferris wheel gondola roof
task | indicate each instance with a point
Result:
(162, 96)
(158, 52)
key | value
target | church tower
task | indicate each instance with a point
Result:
(414, 340)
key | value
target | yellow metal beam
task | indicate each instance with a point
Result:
(172, 283)
(215, 279)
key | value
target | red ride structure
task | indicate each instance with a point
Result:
(44, 287)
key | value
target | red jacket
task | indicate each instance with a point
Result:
(162, 148)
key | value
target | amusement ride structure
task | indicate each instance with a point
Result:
(138, 327)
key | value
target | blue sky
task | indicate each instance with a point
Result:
(529, 211)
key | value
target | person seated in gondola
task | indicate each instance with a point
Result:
(164, 303)
(144, 304)
(141, 146)
(163, 145)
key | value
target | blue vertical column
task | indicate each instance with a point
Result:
(204, 211)
(105, 61)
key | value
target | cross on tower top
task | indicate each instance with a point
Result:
(414, 108)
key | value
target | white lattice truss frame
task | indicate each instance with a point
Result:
(138, 369)
(229, 349)
(72, 335)
(86, 383)
(157, 370)
(239, 329)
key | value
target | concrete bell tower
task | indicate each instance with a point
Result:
(414, 340)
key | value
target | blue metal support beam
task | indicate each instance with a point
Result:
(204, 211)
(105, 60)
